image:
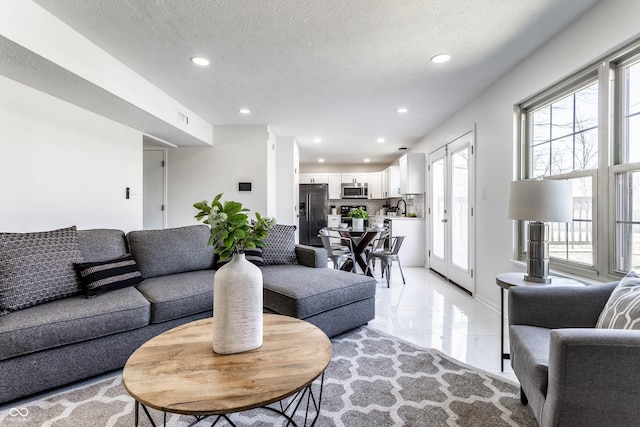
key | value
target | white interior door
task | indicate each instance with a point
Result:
(153, 194)
(451, 211)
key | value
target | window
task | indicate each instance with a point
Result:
(627, 171)
(587, 131)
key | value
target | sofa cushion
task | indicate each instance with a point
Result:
(104, 276)
(530, 354)
(297, 291)
(179, 295)
(170, 251)
(37, 267)
(101, 244)
(280, 245)
(622, 310)
(71, 320)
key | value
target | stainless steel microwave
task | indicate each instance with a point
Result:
(358, 190)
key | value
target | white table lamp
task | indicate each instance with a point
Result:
(540, 201)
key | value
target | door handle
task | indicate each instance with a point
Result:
(444, 220)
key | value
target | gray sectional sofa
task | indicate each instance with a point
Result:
(49, 340)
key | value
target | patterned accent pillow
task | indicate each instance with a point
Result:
(104, 276)
(38, 267)
(280, 245)
(622, 311)
(254, 256)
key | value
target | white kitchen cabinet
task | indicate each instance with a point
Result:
(335, 186)
(412, 173)
(412, 251)
(314, 178)
(391, 182)
(352, 178)
(375, 185)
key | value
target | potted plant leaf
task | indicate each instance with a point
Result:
(358, 215)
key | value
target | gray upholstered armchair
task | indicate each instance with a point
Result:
(571, 373)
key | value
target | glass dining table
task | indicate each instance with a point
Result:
(360, 238)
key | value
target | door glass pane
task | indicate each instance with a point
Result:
(574, 241)
(438, 206)
(459, 217)
(628, 221)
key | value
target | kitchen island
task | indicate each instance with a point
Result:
(412, 252)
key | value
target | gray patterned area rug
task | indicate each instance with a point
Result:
(373, 380)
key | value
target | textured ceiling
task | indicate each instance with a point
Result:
(333, 69)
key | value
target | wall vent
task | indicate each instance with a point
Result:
(183, 118)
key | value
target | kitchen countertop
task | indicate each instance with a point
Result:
(396, 217)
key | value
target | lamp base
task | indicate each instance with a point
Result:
(538, 251)
(537, 279)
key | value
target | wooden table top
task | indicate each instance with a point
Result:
(179, 372)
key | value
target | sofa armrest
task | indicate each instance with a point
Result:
(310, 256)
(593, 377)
(558, 306)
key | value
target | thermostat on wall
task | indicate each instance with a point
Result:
(244, 186)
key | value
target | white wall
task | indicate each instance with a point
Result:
(239, 154)
(287, 180)
(61, 165)
(606, 26)
(25, 23)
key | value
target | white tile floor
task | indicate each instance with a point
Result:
(430, 312)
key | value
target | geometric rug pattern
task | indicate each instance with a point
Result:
(373, 380)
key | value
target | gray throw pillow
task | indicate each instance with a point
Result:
(280, 245)
(622, 310)
(38, 267)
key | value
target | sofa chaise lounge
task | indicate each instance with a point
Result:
(48, 339)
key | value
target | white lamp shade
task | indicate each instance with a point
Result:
(541, 200)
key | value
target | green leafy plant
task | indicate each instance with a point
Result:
(231, 230)
(358, 213)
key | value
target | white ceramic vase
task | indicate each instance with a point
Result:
(237, 307)
(357, 223)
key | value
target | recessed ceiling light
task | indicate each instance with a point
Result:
(402, 110)
(380, 140)
(441, 58)
(199, 60)
(320, 160)
(317, 140)
(244, 111)
(367, 160)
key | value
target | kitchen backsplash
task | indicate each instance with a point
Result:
(373, 206)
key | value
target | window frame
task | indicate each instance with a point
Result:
(608, 73)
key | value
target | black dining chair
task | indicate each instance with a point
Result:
(386, 249)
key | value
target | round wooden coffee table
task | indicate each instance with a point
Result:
(178, 371)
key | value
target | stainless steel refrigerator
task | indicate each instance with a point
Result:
(312, 216)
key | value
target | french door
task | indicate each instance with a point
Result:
(451, 231)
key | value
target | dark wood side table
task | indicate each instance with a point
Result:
(508, 280)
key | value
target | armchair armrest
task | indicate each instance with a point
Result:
(558, 306)
(593, 377)
(310, 256)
